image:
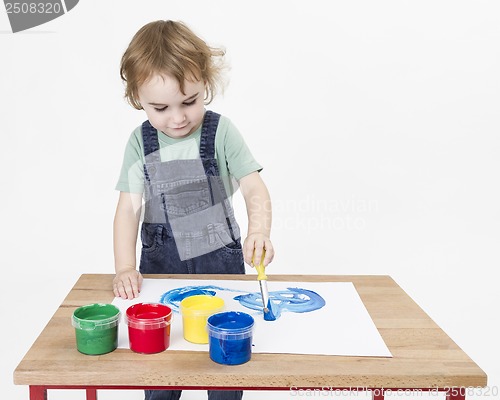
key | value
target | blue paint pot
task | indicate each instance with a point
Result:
(230, 337)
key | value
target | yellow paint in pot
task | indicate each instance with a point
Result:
(195, 311)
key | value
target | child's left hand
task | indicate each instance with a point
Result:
(253, 247)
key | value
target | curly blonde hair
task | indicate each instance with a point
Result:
(170, 48)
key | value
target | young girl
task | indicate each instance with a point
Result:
(185, 162)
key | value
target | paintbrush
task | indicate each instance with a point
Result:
(266, 301)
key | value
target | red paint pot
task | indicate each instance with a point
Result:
(148, 327)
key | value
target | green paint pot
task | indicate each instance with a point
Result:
(96, 328)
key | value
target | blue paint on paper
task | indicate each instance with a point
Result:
(295, 300)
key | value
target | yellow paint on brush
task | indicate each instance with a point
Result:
(261, 271)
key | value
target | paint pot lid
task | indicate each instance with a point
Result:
(97, 316)
(201, 305)
(148, 316)
(231, 325)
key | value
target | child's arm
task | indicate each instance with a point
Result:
(259, 213)
(127, 282)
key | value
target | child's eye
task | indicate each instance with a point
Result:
(161, 109)
(190, 103)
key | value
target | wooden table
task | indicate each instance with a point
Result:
(424, 357)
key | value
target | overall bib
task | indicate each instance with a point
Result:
(189, 225)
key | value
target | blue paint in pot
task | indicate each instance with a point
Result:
(230, 337)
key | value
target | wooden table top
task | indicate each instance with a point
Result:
(423, 355)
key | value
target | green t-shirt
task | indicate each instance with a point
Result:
(231, 152)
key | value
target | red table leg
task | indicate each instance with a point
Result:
(38, 393)
(455, 394)
(377, 394)
(91, 394)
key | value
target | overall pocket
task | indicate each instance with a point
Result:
(185, 199)
(151, 237)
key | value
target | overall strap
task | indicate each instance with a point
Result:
(208, 131)
(150, 142)
(151, 146)
(207, 155)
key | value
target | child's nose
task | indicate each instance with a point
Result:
(179, 117)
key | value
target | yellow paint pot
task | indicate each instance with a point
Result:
(195, 311)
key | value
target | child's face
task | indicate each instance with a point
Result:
(168, 110)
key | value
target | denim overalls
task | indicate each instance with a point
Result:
(189, 225)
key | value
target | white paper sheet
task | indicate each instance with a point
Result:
(341, 327)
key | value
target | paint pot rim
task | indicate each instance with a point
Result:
(133, 313)
(212, 304)
(89, 324)
(230, 333)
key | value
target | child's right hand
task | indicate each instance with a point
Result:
(127, 283)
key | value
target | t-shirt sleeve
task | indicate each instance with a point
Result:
(131, 178)
(239, 160)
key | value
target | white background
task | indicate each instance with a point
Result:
(377, 123)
